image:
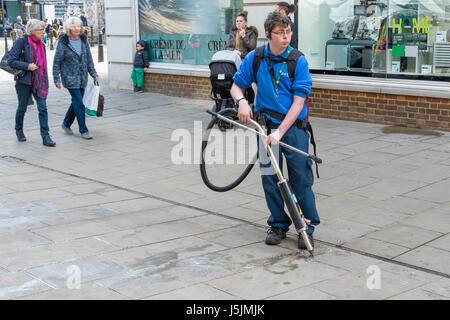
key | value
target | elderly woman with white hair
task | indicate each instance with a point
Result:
(28, 54)
(71, 65)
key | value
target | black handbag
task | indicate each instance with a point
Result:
(5, 66)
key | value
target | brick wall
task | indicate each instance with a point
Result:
(176, 85)
(410, 111)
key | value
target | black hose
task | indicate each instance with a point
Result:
(232, 114)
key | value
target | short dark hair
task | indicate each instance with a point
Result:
(141, 43)
(276, 19)
(288, 8)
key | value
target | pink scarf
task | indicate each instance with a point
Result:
(39, 77)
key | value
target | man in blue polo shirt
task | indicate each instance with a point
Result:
(276, 92)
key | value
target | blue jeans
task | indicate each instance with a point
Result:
(301, 179)
(77, 110)
(23, 94)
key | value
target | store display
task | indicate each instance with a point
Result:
(441, 36)
(384, 36)
(395, 66)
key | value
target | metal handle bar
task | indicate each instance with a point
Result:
(308, 155)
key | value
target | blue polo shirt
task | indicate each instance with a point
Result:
(267, 97)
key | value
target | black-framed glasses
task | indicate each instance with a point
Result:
(280, 33)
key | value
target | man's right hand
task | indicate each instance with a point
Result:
(244, 112)
(58, 85)
(33, 67)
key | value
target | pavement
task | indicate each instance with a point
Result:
(117, 217)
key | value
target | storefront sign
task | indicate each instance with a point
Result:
(195, 49)
(423, 26)
(186, 31)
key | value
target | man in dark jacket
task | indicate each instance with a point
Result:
(84, 19)
(140, 65)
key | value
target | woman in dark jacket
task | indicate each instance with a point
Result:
(71, 65)
(242, 39)
(28, 54)
(286, 9)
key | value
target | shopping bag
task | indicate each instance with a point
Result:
(4, 64)
(6, 67)
(101, 105)
(90, 99)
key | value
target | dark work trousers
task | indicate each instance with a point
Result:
(77, 110)
(23, 94)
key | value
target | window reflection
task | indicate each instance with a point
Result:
(392, 37)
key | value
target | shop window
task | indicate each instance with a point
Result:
(382, 37)
(185, 31)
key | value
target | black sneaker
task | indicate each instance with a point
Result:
(139, 90)
(301, 242)
(47, 141)
(20, 136)
(275, 235)
(135, 89)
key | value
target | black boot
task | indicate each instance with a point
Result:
(20, 136)
(47, 141)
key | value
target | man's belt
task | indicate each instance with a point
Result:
(301, 124)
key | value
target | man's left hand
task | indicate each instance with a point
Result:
(97, 78)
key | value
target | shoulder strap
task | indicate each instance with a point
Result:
(291, 62)
(259, 54)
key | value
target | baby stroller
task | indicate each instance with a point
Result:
(224, 64)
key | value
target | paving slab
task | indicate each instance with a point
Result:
(340, 231)
(18, 284)
(428, 257)
(404, 235)
(279, 278)
(376, 247)
(194, 292)
(438, 192)
(12, 241)
(426, 219)
(88, 291)
(45, 254)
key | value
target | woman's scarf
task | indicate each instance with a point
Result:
(39, 77)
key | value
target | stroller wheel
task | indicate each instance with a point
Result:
(224, 126)
(230, 114)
